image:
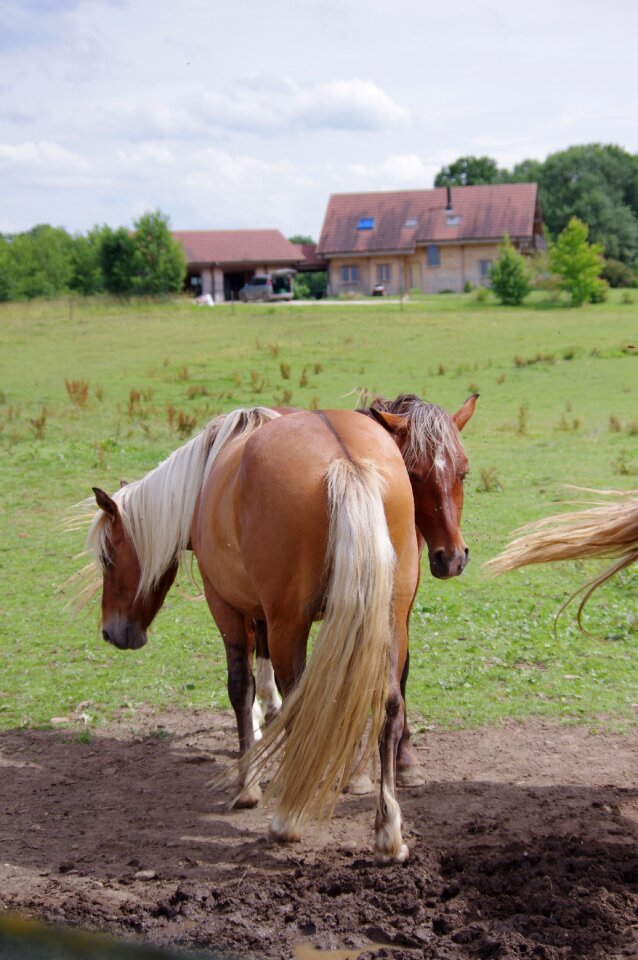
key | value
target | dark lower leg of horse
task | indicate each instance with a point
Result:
(241, 691)
(267, 692)
(389, 846)
(409, 771)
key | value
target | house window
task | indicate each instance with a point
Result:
(366, 223)
(434, 255)
(350, 274)
(485, 267)
(410, 223)
(384, 272)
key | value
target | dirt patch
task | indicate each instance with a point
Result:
(523, 844)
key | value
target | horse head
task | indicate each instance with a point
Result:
(437, 466)
(127, 612)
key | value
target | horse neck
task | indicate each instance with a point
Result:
(157, 511)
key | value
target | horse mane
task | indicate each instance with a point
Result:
(157, 510)
(431, 429)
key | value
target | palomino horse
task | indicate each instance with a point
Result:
(608, 530)
(306, 517)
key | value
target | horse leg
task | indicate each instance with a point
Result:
(241, 684)
(409, 772)
(389, 846)
(287, 642)
(267, 692)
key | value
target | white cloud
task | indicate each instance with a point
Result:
(42, 156)
(243, 170)
(145, 156)
(273, 104)
(264, 106)
(399, 170)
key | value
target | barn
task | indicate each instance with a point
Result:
(219, 262)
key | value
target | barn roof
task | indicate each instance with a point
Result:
(237, 246)
(397, 221)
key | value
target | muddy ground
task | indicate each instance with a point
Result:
(523, 844)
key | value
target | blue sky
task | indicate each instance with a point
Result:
(245, 114)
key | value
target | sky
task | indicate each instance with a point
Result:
(229, 114)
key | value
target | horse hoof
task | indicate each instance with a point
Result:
(281, 832)
(360, 785)
(248, 798)
(383, 859)
(410, 776)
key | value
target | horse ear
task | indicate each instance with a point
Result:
(123, 483)
(394, 423)
(465, 413)
(105, 503)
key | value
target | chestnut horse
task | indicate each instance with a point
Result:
(422, 431)
(291, 519)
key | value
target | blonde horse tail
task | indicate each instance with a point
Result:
(324, 719)
(609, 531)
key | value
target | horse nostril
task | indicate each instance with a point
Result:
(467, 554)
(106, 636)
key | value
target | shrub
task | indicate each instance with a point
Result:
(578, 263)
(509, 275)
(618, 274)
(600, 291)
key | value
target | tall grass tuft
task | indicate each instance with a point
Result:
(78, 391)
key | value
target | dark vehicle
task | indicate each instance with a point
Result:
(268, 286)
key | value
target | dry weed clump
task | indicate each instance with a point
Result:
(38, 424)
(78, 391)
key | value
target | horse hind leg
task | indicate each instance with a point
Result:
(267, 693)
(241, 686)
(389, 846)
(409, 770)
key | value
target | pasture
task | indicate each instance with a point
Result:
(96, 391)
(523, 838)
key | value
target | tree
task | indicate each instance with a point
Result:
(467, 171)
(509, 275)
(577, 262)
(159, 261)
(117, 251)
(7, 281)
(40, 262)
(599, 185)
(301, 239)
(87, 277)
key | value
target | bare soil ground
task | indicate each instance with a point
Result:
(523, 844)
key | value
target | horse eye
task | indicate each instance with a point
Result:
(106, 561)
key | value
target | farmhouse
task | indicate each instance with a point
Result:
(221, 261)
(432, 240)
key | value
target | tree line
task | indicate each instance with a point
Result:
(597, 183)
(47, 261)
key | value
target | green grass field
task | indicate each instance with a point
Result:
(559, 391)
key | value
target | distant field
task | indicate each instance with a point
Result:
(559, 404)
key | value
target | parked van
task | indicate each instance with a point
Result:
(269, 286)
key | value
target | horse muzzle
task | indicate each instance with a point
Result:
(124, 635)
(444, 564)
